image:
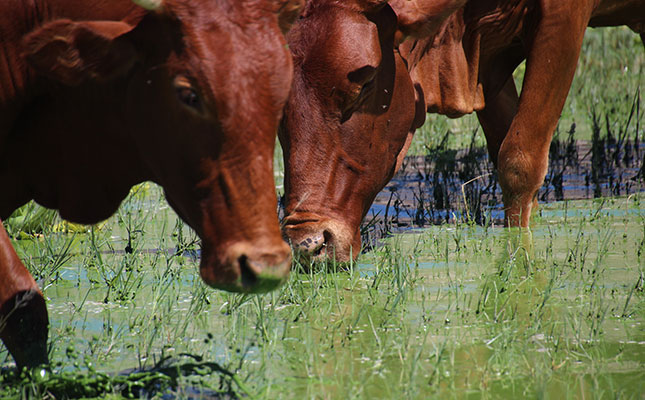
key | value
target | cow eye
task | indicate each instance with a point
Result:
(188, 97)
(363, 76)
(186, 93)
(361, 81)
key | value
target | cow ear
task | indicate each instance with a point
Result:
(72, 52)
(288, 12)
(422, 18)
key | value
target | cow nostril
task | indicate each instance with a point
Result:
(324, 245)
(249, 277)
(318, 250)
(327, 236)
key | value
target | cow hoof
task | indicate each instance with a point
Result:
(24, 328)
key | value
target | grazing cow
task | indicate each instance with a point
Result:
(467, 66)
(460, 57)
(349, 115)
(96, 96)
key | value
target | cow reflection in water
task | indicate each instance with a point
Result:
(107, 94)
(350, 116)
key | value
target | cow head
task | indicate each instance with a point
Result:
(200, 85)
(347, 119)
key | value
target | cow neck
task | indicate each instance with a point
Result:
(446, 66)
(496, 24)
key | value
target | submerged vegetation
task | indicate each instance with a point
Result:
(460, 309)
(453, 310)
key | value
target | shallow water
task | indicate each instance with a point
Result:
(459, 310)
(433, 189)
(456, 309)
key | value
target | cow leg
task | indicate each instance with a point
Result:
(551, 63)
(419, 119)
(495, 119)
(23, 313)
(498, 115)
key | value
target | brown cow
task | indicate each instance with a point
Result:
(97, 96)
(468, 67)
(457, 65)
(349, 115)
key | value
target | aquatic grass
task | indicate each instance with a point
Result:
(449, 186)
(162, 379)
(404, 321)
(29, 219)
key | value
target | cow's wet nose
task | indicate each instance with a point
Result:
(316, 238)
(321, 245)
(317, 245)
(312, 244)
(263, 272)
(251, 268)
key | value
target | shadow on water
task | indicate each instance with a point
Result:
(448, 185)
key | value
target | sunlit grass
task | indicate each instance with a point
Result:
(453, 310)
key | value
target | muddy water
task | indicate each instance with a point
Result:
(448, 184)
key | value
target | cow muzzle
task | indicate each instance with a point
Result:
(248, 268)
(321, 240)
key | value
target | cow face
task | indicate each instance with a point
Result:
(347, 119)
(227, 81)
(204, 84)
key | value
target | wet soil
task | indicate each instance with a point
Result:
(448, 185)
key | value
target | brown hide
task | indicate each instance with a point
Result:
(423, 18)
(96, 96)
(447, 64)
(347, 118)
(467, 66)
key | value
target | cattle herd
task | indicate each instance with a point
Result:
(190, 94)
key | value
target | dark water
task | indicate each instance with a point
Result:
(449, 185)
